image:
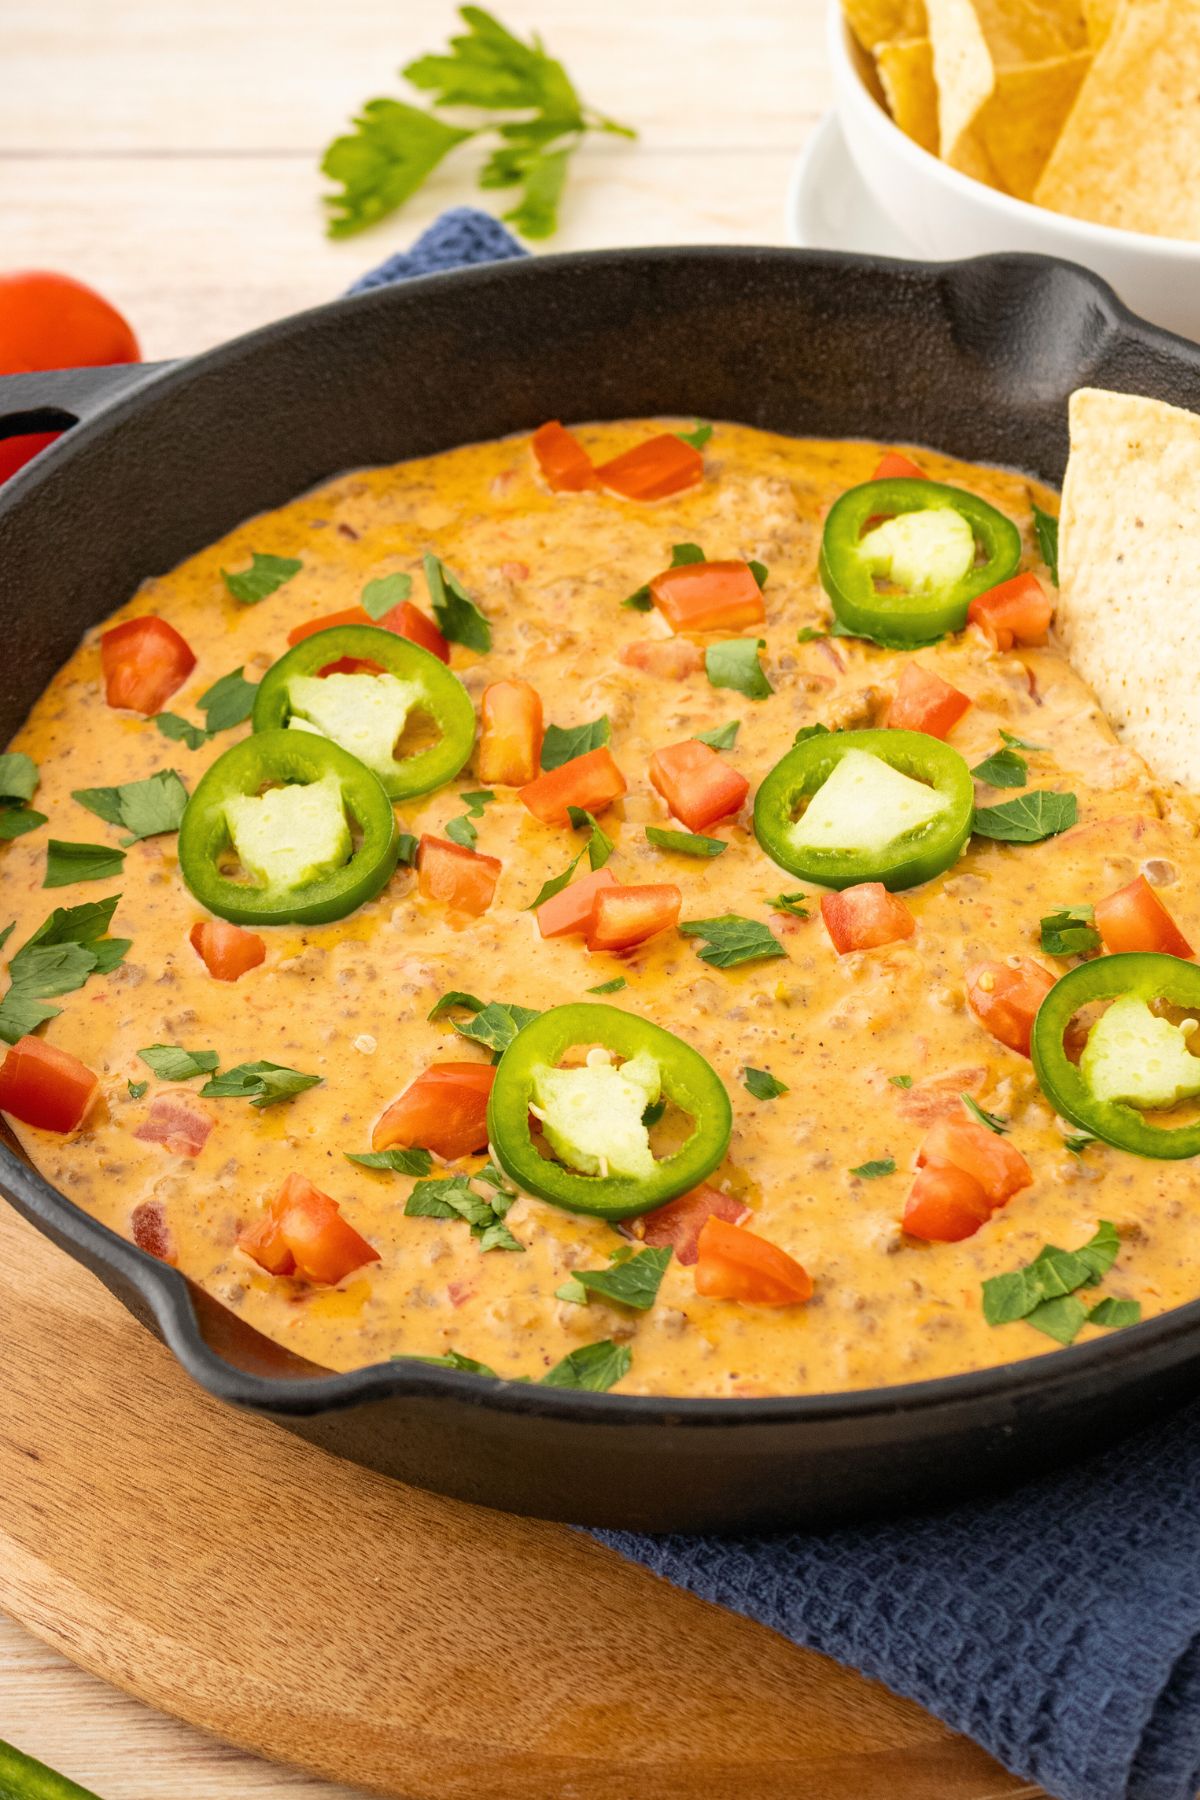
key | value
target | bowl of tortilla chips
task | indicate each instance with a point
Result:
(1066, 127)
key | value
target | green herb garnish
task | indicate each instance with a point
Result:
(458, 618)
(143, 808)
(721, 737)
(563, 744)
(1002, 769)
(381, 595)
(762, 1084)
(1045, 527)
(262, 1083)
(400, 1162)
(461, 831)
(599, 844)
(697, 437)
(686, 843)
(265, 576)
(901, 1081)
(228, 702)
(596, 1367)
(610, 987)
(136, 1089)
(180, 731)
(993, 1121)
(18, 783)
(453, 1359)
(171, 1062)
(871, 1171)
(1043, 1292)
(630, 1280)
(494, 1024)
(1027, 820)
(730, 939)
(1070, 932)
(792, 904)
(70, 862)
(452, 1197)
(64, 950)
(735, 664)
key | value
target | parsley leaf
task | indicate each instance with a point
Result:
(64, 950)
(1027, 820)
(1017, 743)
(1002, 769)
(18, 776)
(1042, 1292)
(394, 149)
(792, 904)
(629, 1280)
(70, 862)
(596, 1367)
(683, 554)
(1070, 932)
(180, 731)
(554, 885)
(458, 618)
(599, 844)
(810, 731)
(993, 1121)
(15, 821)
(563, 744)
(1115, 1313)
(454, 998)
(687, 843)
(407, 847)
(262, 1083)
(762, 1084)
(452, 1197)
(453, 1359)
(145, 808)
(461, 831)
(697, 437)
(494, 1024)
(735, 664)
(228, 702)
(265, 576)
(379, 596)
(641, 600)
(1045, 527)
(871, 1171)
(400, 1162)
(730, 939)
(901, 1081)
(136, 1089)
(610, 987)
(171, 1062)
(722, 737)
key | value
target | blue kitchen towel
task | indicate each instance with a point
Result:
(1058, 1625)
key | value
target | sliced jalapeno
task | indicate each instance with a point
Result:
(1134, 1060)
(312, 829)
(889, 806)
(902, 560)
(592, 1115)
(378, 682)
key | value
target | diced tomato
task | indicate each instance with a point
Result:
(176, 1122)
(1005, 997)
(736, 1264)
(1134, 918)
(864, 917)
(460, 878)
(625, 916)
(697, 784)
(510, 738)
(568, 913)
(443, 1110)
(1017, 612)
(892, 465)
(938, 1096)
(945, 1205)
(680, 1222)
(151, 1232)
(662, 465)
(924, 702)
(565, 464)
(227, 951)
(404, 620)
(708, 596)
(672, 659)
(965, 1172)
(46, 1087)
(144, 662)
(304, 1234)
(592, 781)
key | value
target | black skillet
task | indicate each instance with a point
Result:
(975, 358)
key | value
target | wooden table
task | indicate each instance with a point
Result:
(166, 151)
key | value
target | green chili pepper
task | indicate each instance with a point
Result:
(366, 709)
(592, 1116)
(278, 803)
(1138, 976)
(902, 560)
(898, 808)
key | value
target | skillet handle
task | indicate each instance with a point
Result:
(56, 399)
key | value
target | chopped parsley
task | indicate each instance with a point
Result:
(563, 744)
(687, 843)
(453, 1359)
(730, 939)
(228, 702)
(18, 783)
(1028, 819)
(993, 1121)
(1045, 527)
(792, 904)
(262, 1083)
(265, 576)
(171, 1062)
(554, 885)
(596, 1367)
(734, 664)
(64, 950)
(762, 1084)
(408, 845)
(697, 437)
(1017, 743)
(610, 987)
(380, 596)
(630, 1279)
(400, 1162)
(901, 1081)
(458, 618)
(494, 1024)
(1002, 769)
(15, 821)
(462, 831)
(453, 1197)
(871, 1171)
(70, 862)
(1044, 1292)
(136, 1089)
(143, 808)
(1070, 932)
(599, 845)
(180, 731)
(810, 731)
(721, 737)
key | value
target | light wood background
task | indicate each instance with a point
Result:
(166, 151)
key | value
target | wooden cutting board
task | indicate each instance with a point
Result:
(419, 1647)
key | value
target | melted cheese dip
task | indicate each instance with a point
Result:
(348, 1001)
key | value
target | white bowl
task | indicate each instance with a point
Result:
(946, 214)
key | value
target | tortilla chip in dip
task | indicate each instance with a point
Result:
(1129, 571)
(974, 39)
(1018, 125)
(906, 73)
(1129, 154)
(876, 22)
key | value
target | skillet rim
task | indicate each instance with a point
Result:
(165, 1291)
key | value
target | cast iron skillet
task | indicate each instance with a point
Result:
(976, 358)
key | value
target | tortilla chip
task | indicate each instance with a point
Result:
(876, 22)
(906, 72)
(1019, 124)
(1129, 568)
(1129, 154)
(1099, 16)
(974, 39)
